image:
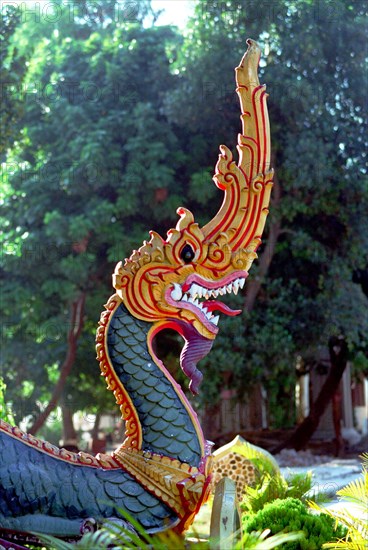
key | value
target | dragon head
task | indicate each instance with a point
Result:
(178, 282)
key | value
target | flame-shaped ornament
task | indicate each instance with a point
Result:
(176, 282)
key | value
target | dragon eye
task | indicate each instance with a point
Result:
(187, 254)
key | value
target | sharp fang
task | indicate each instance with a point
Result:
(221, 291)
(176, 294)
(214, 293)
(241, 282)
(215, 320)
(193, 291)
(196, 303)
(200, 291)
(229, 288)
(205, 310)
(185, 298)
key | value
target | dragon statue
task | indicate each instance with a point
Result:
(161, 472)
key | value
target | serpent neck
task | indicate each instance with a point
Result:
(169, 426)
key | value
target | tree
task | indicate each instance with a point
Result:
(12, 70)
(339, 356)
(302, 292)
(80, 195)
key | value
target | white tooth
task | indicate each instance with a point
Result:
(193, 291)
(207, 294)
(215, 320)
(209, 316)
(200, 290)
(176, 294)
(221, 291)
(236, 286)
(229, 288)
(215, 293)
(196, 303)
(241, 282)
(204, 309)
(185, 298)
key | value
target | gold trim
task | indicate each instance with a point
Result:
(177, 484)
(101, 460)
(133, 429)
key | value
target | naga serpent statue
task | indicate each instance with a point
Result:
(161, 473)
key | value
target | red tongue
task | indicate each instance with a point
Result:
(212, 305)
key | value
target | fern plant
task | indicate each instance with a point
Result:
(356, 519)
(118, 537)
(276, 486)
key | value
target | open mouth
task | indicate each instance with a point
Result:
(199, 296)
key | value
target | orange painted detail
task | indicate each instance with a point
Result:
(182, 487)
(133, 432)
(77, 459)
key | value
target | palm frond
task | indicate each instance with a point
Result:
(364, 457)
(346, 545)
(262, 541)
(354, 519)
(356, 492)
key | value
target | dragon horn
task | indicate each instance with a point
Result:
(247, 186)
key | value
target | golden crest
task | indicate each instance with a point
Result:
(165, 281)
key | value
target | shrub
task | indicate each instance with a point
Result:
(290, 514)
(276, 486)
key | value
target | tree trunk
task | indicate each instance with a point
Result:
(76, 325)
(337, 417)
(338, 356)
(96, 426)
(69, 434)
(254, 285)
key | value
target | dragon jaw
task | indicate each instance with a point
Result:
(195, 288)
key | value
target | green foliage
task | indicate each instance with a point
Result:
(83, 187)
(292, 515)
(120, 537)
(128, 535)
(5, 413)
(354, 515)
(262, 541)
(13, 70)
(275, 486)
